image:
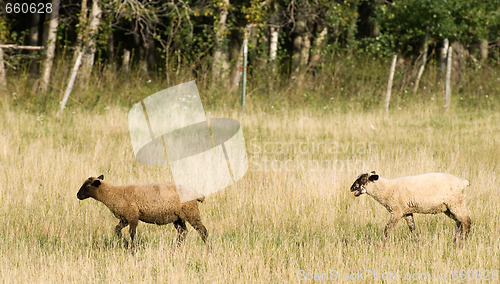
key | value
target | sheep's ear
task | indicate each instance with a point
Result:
(373, 177)
(101, 177)
(374, 173)
(96, 183)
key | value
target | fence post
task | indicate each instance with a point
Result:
(3, 83)
(389, 84)
(448, 79)
(244, 71)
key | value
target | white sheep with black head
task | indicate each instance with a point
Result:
(429, 193)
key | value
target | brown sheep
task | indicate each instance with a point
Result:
(152, 203)
(429, 193)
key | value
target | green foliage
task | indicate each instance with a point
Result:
(408, 21)
(342, 17)
(254, 13)
(381, 46)
(4, 29)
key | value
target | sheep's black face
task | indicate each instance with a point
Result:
(359, 186)
(88, 186)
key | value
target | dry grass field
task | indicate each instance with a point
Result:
(290, 218)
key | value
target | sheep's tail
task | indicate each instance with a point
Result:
(201, 199)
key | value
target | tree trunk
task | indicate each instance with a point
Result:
(90, 42)
(297, 44)
(442, 58)
(273, 48)
(126, 61)
(301, 45)
(421, 69)
(150, 58)
(51, 46)
(448, 79)
(305, 49)
(33, 40)
(82, 29)
(146, 51)
(34, 29)
(459, 63)
(111, 51)
(45, 22)
(139, 51)
(3, 82)
(234, 51)
(239, 62)
(71, 83)
(220, 63)
(318, 45)
(143, 63)
(389, 83)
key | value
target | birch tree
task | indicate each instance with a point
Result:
(425, 51)
(255, 15)
(82, 25)
(51, 46)
(89, 48)
(273, 47)
(220, 63)
(238, 66)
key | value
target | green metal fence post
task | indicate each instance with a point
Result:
(244, 71)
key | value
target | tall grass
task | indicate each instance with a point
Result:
(292, 214)
(342, 83)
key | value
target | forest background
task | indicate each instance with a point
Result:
(321, 53)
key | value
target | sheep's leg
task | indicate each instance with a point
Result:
(200, 228)
(393, 221)
(181, 228)
(118, 231)
(456, 238)
(411, 225)
(202, 231)
(462, 215)
(463, 233)
(463, 225)
(459, 224)
(193, 218)
(466, 223)
(133, 226)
